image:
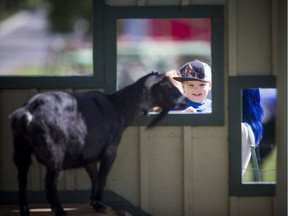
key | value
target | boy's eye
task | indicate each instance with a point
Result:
(202, 85)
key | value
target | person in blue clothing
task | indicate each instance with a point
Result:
(251, 126)
(196, 80)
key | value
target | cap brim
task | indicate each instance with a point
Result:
(182, 79)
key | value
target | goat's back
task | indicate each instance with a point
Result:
(72, 129)
(53, 112)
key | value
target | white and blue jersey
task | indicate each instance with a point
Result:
(205, 107)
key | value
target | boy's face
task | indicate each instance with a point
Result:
(196, 91)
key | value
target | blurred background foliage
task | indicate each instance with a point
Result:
(65, 13)
(62, 16)
(46, 37)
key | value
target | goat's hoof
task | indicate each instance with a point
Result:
(25, 212)
(60, 212)
(122, 213)
(99, 207)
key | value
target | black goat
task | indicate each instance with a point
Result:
(66, 131)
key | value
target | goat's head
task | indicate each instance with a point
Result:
(164, 95)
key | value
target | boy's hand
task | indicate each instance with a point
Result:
(190, 109)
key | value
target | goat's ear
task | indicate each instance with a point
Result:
(153, 80)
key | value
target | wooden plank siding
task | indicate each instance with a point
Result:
(171, 170)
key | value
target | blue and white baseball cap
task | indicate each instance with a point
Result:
(195, 70)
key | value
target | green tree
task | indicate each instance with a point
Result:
(64, 14)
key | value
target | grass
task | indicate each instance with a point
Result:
(52, 70)
(268, 169)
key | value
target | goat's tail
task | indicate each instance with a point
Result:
(20, 119)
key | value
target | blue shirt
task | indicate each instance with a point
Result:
(205, 107)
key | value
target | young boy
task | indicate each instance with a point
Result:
(196, 82)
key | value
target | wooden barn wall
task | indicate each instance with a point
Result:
(172, 170)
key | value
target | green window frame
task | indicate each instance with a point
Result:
(105, 58)
(214, 12)
(236, 186)
(96, 80)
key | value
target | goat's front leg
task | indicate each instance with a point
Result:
(52, 193)
(98, 179)
(92, 170)
(105, 167)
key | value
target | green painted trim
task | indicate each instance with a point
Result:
(51, 82)
(236, 188)
(214, 12)
(104, 58)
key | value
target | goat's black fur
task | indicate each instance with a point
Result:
(71, 130)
